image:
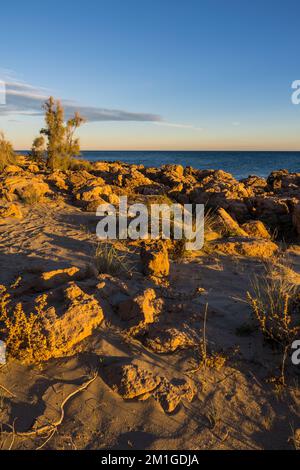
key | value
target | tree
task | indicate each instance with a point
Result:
(38, 148)
(7, 154)
(61, 145)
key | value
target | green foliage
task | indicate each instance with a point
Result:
(38, 149)
(61, 144)
(7, 154)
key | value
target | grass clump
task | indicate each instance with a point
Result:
(28, 337)
(7, 154)
(110, 261)
(273, 303)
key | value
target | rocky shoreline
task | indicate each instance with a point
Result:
(169, 334)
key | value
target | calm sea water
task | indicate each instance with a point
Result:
(239, 164)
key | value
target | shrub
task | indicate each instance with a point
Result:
(28, 337)
(7, 154)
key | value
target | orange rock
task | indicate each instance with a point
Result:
(246, 247)
(230, 224)
(257, 229)
(130, 381)
(140, 308)
(155, 260)
(82, 315)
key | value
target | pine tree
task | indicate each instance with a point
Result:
(61, 145)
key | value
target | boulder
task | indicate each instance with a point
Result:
(296, 218)
(230, 225)
(257, 184)
(81, 316)
(256, 229)
(12, 210)
(246, 247)
(25, 187)
(155, 260)
(140, 308)
(58, 179)
(12, 169)
(133, 382)
(170, 393)
(167, 340)
(130, 381)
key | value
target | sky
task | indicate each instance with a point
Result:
(154, 74)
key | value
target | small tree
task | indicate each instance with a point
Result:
(61, 144)
(7, 154)
(38, 148)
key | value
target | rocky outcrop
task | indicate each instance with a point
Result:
(230, 225)
(24, 187)
(133, 382)
(155, 260)
(256, 229)
(130, 381)
(296, 218)
(10, 210)
(82, 313)
(164, 340)
(252, 247)
(140, 308)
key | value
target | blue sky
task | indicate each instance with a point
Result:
(194, 74)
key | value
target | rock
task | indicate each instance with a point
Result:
(82, 315)
(141, 308)
(58, 180)
(296, 218)
(171, 174)
(130, 381)
(13, 210)
(33, 168)
(155, 260)
(246, 247)
(134, 179)
(12, 169)
(231, 226)
(170, 394)
(256, 229)
(39, 281)
(57, 277)
(26, 188)
(257, 184)
(167, 340)
(271, 210)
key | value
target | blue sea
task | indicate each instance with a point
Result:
(239, 164)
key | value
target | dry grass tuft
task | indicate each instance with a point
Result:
(273, 303)
(110, 261)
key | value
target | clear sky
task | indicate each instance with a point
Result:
(155, 74)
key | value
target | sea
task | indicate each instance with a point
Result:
(239, 164)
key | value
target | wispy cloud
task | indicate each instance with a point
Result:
(25, 99)
(178, 125)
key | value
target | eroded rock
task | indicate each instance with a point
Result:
(155, 260)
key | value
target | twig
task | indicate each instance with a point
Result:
(53, 426)
(47, 440)
(7, 391)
